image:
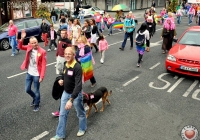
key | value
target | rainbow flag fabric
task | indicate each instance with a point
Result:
(87, 66)
(118, 25)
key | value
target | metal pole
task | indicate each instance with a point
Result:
(70, 7)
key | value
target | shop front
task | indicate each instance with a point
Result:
(15, 9)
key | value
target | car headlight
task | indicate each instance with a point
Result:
(171, 58)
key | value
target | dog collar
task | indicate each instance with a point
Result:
(86, 95)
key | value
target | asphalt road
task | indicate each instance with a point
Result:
(147, 103)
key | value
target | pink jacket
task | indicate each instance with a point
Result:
(110, 20)
(103, 45)
(40, 60)
(98, 18)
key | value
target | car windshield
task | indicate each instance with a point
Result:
(96, 8)
(191, 38)
(4, 27)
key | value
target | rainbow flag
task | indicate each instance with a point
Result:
(87, 67)
(118, 25)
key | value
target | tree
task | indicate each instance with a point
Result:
(172, 6)
(43, 12)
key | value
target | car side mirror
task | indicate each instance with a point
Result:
(175, 39)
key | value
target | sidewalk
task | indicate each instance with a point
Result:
(137, 14)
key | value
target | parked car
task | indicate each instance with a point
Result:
(30, 25)
(96, 9)
(183, 57)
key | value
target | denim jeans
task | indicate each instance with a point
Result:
(110, 28)
(179, 19)
(126, 35)
(190, 18)
(99, 26)
(36, 93)
(81, 19)
(13, 43)
(199, 21)
(53, 18)
(105, 25)
(81, 114)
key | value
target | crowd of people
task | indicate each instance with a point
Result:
(73, 42)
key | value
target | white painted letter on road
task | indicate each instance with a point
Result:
(160, 78)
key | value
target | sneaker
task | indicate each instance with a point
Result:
(56, 138)
(17, 50)
(108, 34)
(121, 48)
(101, 61)
(55, 49)
(80, 133)
(48, 50)
(56, 114)
(138, 65)
(32, 104)
(93, 85)
(12, 55)
(36, 108)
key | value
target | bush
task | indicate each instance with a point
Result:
(43, 12)
(172, 6)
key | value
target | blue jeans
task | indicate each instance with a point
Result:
(81, 114)
(199, 21)
(190, 18)
(81, 19)
(179, 19)
(99, 26)
(13, 43)
(126, 35)
(105, 25)
(110, 28)
(53, 18)
(36, 94)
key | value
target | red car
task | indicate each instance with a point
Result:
(184, 56)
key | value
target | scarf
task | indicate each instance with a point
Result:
(81, 47)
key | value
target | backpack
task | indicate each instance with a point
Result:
(140, 39)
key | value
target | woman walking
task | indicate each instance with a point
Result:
(86, 30)
(93, 34)
(191, 14)
(142, 41)
(76, 32)
(168, 33)
(83, 49)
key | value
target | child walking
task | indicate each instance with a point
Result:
(103, 46)
(53, 36)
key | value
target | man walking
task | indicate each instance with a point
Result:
(72, 82)
(35, 63)
(129, 28)
(13, 34)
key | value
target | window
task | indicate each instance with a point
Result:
(21, 26)
(31, 24)
(191, 38)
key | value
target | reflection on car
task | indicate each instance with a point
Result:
(30, 25)
(184, 57)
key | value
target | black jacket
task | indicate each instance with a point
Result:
(57, 90)
(55, 35)
(87, 32)
(94, 29)
(44, 27)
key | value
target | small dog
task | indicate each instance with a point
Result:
(91, 98)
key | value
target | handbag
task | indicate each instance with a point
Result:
(147, 49)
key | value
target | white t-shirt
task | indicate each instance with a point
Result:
(32, 68)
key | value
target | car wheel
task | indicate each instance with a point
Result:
(4, 45)
(168, 71)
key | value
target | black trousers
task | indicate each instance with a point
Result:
(53, 42)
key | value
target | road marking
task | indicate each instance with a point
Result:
(26, 71)
(190, 88)
(154, 66)
(194, 95)
(175, 85)
(40, 135)
(176, 77)
(160, 78)
(127, 83)
(155, 44)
